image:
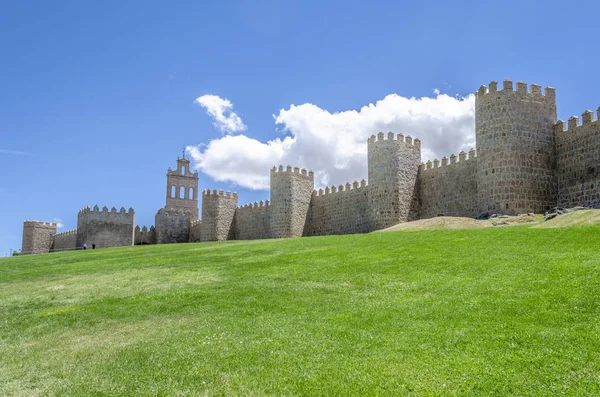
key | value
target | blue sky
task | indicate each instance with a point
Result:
(98, 98)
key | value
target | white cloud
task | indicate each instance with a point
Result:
(59, 223)
(221, 110)
(333, 145)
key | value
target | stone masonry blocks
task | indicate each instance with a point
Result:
(253, 221)
(65, 240)
(218, 210)
(291, 193)
(38, 237)
(578, 162)
(104, 228)
(393, 166)
(516, 170)
(526, 161)
(449, 190)
(182, 188)
(172, 225)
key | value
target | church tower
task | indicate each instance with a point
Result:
(182, 188)
(172, 223)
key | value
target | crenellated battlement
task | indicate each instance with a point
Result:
(65, 241)
(96, 209)
(104, 227)
(144, 235)
(218, 210)
(526, 161)
(393, 164)
(453, 160)
(577, 147)
(68, 233)
(39, 224)
(256, 205)
(535, 90)
(290, 170)
(355, 186)
(253, 220)
(510, 125)
(38, 236)
(219, 193)
(291, 191)
(392, 139)
(144, 229)
(572, 124)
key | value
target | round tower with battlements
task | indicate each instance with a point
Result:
(393, 170)
(291, 192)
(515, 148)
(218, 211)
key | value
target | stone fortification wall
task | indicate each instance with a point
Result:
(105, 228)
(172, 225)
(218, 210)
(515, 146)
(578, 161)
(449, 190)
(525, 162)
(144, 235)
(195, 231)
(341, 210)
(393, 170)
(38, 237)
(65, 240)
(253, 221)
(291, 192)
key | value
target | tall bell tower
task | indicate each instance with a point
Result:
(172, 223)
(182, 188)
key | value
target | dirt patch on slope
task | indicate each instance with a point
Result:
(577, 218)
(456, 222)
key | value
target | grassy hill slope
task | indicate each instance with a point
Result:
(495, 311)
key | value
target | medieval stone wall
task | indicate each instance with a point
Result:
(144, 235)
(578, 161)
(195, 231)
(393, 170)
(514, 131)
(38, 237)
(172, 225)
(253, 221)
(526, 162)
(449, 189)
(105, 228)
(341, 210)
(291, 192)
(218, 210)
(65, 240)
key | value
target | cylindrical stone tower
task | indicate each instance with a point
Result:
(393, 170)
(515, 148)
(218, 211)
(291, 192)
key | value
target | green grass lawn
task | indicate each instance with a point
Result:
(498, 311)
